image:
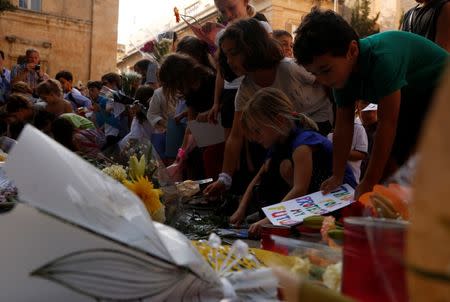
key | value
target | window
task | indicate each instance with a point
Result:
(30, 4)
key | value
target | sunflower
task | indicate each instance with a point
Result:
(150, 196)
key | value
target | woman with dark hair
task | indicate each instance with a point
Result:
(251, 52)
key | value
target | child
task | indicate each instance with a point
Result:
(299, 158)
(140, 130)
(103, 116)
(399, 71)
(51, 92)
(181, 74)
(250, 51)
(285, 40)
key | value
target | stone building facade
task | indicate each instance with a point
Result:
(79, 36)
(284, 14)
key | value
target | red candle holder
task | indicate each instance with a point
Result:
(267, 242)
(373, 267)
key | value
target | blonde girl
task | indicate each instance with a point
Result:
(298, 160)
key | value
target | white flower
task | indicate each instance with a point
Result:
(332, 276)
(116, 171)
(301, 266)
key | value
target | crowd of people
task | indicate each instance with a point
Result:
(299, 115)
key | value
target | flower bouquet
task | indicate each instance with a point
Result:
(140, 169)
(206, 32)
(157, 49)
(130, 82)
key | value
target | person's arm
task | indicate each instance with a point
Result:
(67, 107)
(154, 113)
(342, 142)
(443, 27)
(388, 111)
(356, 155)
(302, 157)
(239, 214)
(232, 154)
(214, 111)
(191, 115)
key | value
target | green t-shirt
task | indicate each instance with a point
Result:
(390, 61)
(78, 121)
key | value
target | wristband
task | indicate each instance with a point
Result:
(181, 153)
(225, 179)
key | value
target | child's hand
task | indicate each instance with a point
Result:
(238, 217)
(178, 119)
(330, 184)
(255, 229)
(363, 187)
(214, 189)
(202, 117)
(212, 114)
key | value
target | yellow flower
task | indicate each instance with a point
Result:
(150, 196)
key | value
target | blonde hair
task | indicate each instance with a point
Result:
(264, 108)
(48, 87)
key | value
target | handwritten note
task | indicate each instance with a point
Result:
(293, 211)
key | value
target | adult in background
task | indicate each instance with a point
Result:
(431, 19)
(29, 72)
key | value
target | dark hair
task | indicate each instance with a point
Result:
(195, 48)
(259, 49)
(141, 111)
(43, 118)
(113, 78)
(21, 87)
(94, 84)
(322, 32)
(278, 33)
(63, 131)
(143, 94)
(66, 75)
(178, 72)
(142, 64)
(17, 102)
(2, 54)
(21, 60)
(29, 51)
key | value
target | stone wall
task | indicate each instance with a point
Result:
(80, 36)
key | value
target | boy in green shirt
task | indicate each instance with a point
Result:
(397, 70)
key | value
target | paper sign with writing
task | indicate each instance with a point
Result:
(293, 211)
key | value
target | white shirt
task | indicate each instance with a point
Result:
(140, 132)
(159, 109)
(359, 143)
(299, 85)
